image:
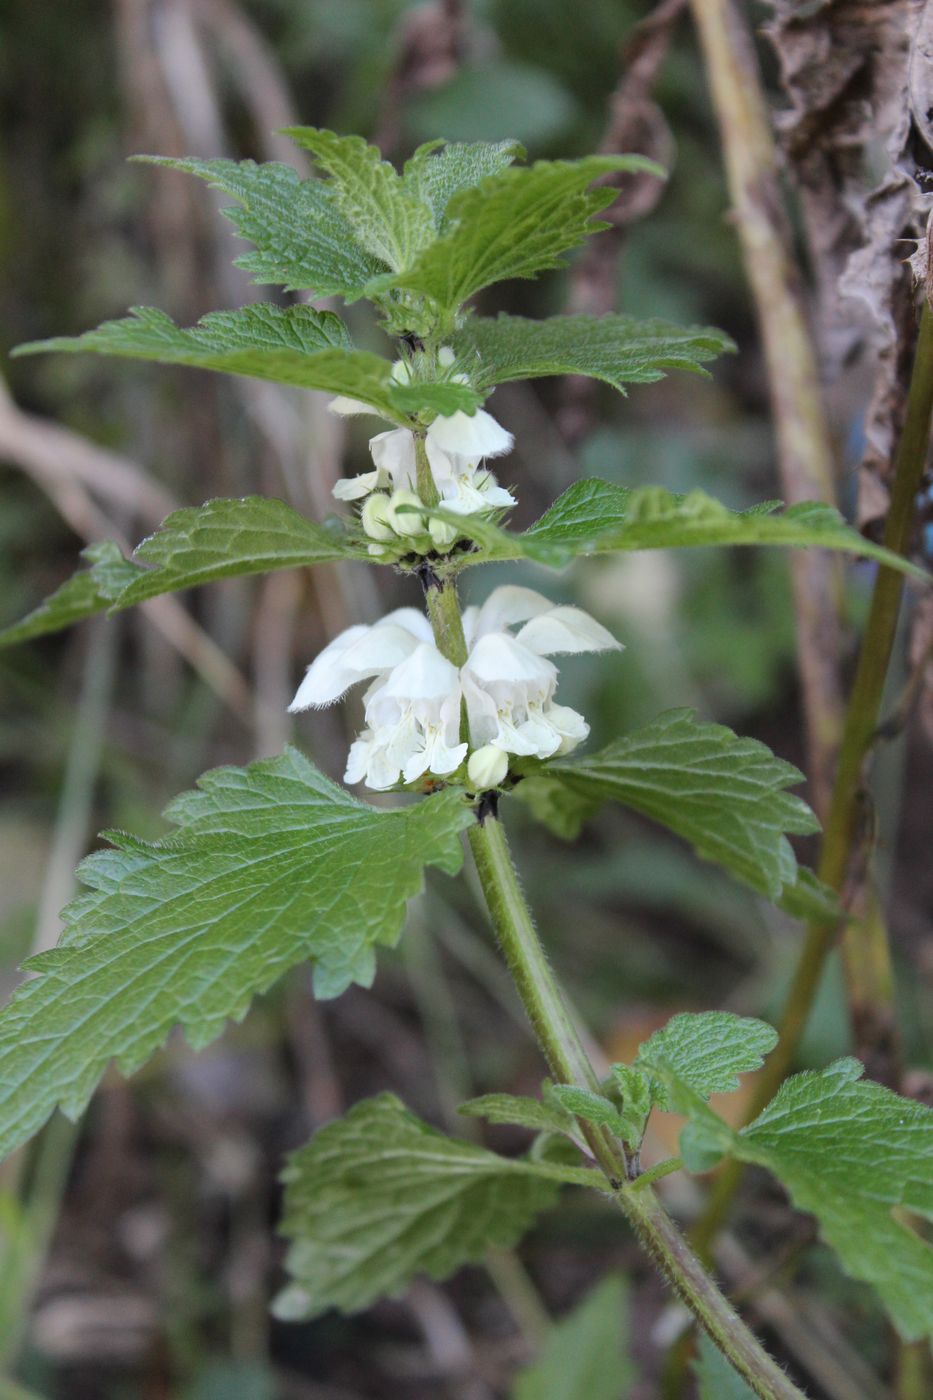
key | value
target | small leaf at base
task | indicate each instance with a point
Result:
(379, 1196)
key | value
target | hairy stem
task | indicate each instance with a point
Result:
(805, 453)
(842, 825)
(568, 1061)
(427, 488)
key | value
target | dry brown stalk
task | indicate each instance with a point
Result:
(805, 451)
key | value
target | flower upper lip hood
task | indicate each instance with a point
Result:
(508, 682)
(358, 654)
(474, 435)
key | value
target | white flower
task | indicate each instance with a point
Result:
(509, 684)
(374, 517)
(487, 767)
(413, 704)
(474, 436)
(412, 707)
(455, 447)
(358, 654)
(345, 407)
(405, 521)
(414, 723)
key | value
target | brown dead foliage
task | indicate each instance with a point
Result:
(858, 134)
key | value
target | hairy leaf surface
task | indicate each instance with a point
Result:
(515, 224)
(587, 1353)
(270, 865)
(390, 220)
(592, 1108)
(851, 1152)
(856, 1156)
(226, 538)
(521, 1111)
(616, 349)
(564, 811)
(704, 1052)
(597, 517)
(379, 1196)
(221, 539)
(303, 242)
(724, 794)
(435, 175)
(296, 345)
(87, 592)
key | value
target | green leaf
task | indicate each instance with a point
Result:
(716, 1379)
(852, 1153)
(535, 1114)
(856, 1156)
(87, 592)
(586, 1354)
(810, 899)
(295, 345)
(378, 1196)
(616, 349)
(515, 224)
(303, 242)
(596, 517)
(434, 176)
(226, 538)
(694, 1056)
(221, 539)
(704, 1052)
(270, 865)
(592, 1108)
(390, 220)
(555, 805)
(723, 794)
(564, 812)
(638, 1099)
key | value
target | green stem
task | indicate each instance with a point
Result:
(427, 488)
(526, 960)
(444, 612)
(861, 722)
(569, 1063)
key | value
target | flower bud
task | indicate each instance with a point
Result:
(442, 533)
(374, 517)
(446, 356)
(400, 372)
(487, 767)
(405, 522)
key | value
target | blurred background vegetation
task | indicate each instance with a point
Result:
(137, 1254)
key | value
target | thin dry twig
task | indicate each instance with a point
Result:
(61, 458)
(67, 467)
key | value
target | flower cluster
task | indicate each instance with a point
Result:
(457, 446)
(414, 704)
